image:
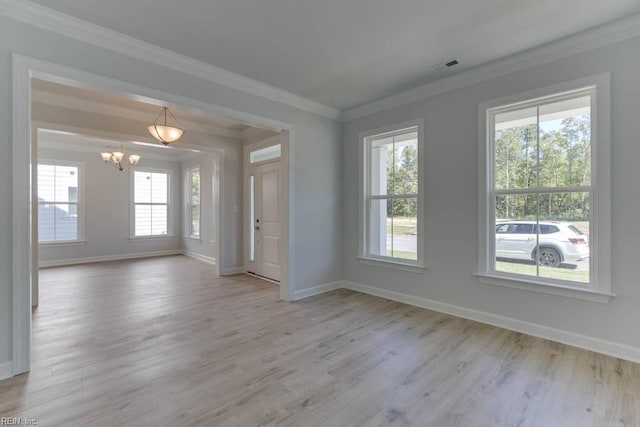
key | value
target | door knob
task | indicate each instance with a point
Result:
(258, 228)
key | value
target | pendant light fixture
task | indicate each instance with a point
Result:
(163, 132)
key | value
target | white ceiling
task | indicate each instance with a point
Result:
(344, 53)
(85, 143)
(105, 103)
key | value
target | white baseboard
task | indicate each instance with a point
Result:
(119, 257)
(609, 348)
(233, 270)
(203, 258)
(6, 370)
(316, 290)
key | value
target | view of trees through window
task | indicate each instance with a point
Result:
(393, 200)
(542, 187)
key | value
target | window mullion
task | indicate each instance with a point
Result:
(394, 197)
(551, 190)
(538, 187)
(393, 191)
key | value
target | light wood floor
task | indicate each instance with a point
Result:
(163, 342)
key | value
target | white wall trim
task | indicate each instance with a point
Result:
(316, 290)
(207, 259)
(22, 242)
(562, 336)
(572, 45)
(66, 25)
(233, 270)
(24, 68)
(6, 370)
(119, 257)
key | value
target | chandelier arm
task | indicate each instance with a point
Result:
(155, 129)
(174, 117)
(159, 115)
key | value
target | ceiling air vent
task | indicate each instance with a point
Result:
(444, 65)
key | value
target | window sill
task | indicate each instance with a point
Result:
(568, 291)
(62, 243)
(197, 239)
(413, 268)
(160, 237)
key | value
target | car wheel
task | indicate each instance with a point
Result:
(549, 257)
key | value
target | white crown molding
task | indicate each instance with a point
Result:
(578, 43)
(69, 26)
(90, 106)
(51, 20)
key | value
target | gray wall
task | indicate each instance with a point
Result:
(450, 190)
(229, 149)
(107, 210)
(316, 257)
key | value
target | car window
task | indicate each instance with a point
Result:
(522, 229)
(502, 228)
(548, 229)
(575, 230)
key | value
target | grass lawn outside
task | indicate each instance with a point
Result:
(548, 272)
(400, 226)
(405, 255)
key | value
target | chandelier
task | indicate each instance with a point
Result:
(162, 131)
(116, 158)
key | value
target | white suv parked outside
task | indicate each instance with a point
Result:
(558, 242)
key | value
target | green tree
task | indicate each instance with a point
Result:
(528, 157)
(402, 178)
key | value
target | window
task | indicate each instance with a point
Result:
(549, 213)
(264, 154)
(59, 202)
(193, 203)
(392, 205)
(151, 203)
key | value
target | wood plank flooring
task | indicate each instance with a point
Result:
(163, 341)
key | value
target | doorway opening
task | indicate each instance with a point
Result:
(263, 203)
(27, 127)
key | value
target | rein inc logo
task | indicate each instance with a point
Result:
(18, 421)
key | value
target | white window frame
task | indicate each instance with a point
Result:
(189, 206)
(81, 203)
(599, 288)
(364, 167)
(132, 204)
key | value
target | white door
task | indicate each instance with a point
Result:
(264, 207)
